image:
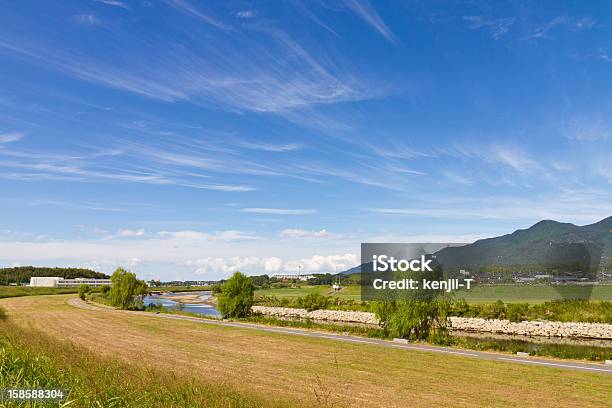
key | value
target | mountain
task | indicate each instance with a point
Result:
(547, 242)
(355, 269)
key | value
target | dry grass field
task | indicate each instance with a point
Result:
(297, 371)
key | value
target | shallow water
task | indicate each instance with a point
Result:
(197, 308)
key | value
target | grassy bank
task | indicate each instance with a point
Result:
(31, 359)
(289, 370)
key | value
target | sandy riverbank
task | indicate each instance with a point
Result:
(192, 298)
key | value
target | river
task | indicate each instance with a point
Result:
(197, 308)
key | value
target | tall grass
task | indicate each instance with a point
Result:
(565, 351)
(30, 359)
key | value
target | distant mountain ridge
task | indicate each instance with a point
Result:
(545, 242)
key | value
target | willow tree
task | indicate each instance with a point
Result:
(126, 291)
(236, 296)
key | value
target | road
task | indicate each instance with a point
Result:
(568, 365)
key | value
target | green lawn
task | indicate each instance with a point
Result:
(479, 294)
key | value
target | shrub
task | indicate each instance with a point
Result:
(83, 291)
(313, 301)
(236, 296)
(105, 289)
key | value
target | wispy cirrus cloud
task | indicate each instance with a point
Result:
(242, 78)
(542, 31)
(586, 128)
(196, 11)
(114, 3)
(269, 147)
(364, 10)
(88, 19)
(496, 27)
(278, 211)
(10, 137)
(507, 155)
(245, 14)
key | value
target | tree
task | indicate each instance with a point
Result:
(126, 290)
(236, 296)
(83, 291)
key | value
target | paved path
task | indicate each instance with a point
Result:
(568, 365)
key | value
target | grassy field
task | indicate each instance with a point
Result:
(479, 294)
(534, 293)
(264, 369)
(16, 291)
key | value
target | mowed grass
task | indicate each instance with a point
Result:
(287, 370)
(478, 294)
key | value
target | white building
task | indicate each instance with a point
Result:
(285, 276)
(55, 282)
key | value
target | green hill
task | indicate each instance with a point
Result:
(22, 274)
(546, 245)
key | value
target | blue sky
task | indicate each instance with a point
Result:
(187, 139)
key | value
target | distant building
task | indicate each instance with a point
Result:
(55, 282)
(285, 276)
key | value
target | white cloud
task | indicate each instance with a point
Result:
(131, 233)
(270, 265)
(10, 137)
(320, 263)
(300, 233)
(278, 211)
(222, 236)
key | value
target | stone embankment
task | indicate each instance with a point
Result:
(338, 316)
(533, 328)
(469, 324)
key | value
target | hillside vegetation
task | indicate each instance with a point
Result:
(22, 274)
